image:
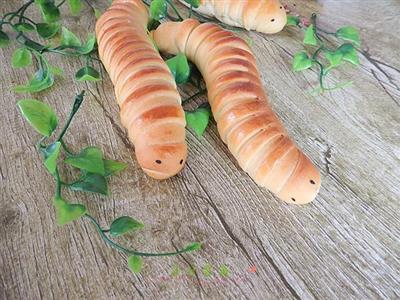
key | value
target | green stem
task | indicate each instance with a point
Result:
(321, 74)
(58, 182)
(190, 11)
(61, 3)
(77, 104)
(66, 149)
(175, 10)
(117, 246)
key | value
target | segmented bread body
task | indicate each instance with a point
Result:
(246, 122)
(150, 105)
(267, 16)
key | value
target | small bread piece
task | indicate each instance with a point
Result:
(266, 16)
(246, 122)
(145, 89)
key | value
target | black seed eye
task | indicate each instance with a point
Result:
(280, 7)
(158, 161)
(294, 200)
(272, 20)
(312, 181)
(181, 161)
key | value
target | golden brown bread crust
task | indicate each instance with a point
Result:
(246, 123)
(267, 16)
(150, 105)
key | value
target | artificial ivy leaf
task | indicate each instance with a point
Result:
(135, 263)
(224, 271)
(309, 36)
(152, 25)
(334, 58)
(179, 67)
(349, 53)
(89, 159)
(193, 247)
(88, 46)
(24, 27)
(50, 11)
(112, 166)
(87, 74)
(158, 9)
(198, 120)
(39, 115)
(66, 212)
(4, 39)
(47, 30)
(75, 6)
(91, 182)
(69, 39)
(97, 13)
(194, 3)
(301, 61)
(349, 33)
(42, 80)
(124, 225)
(57, 71)
(292, 21)
(51, 154)
(21, 58)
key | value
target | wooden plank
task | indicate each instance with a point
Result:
(344, 245)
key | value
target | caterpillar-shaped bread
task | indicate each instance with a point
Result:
(246, 123)
(150, 106)
(266, 16)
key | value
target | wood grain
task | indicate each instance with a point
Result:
(345, 245)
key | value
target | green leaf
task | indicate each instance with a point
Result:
(158, 9)
(349, 33)
(24, 27)
(334, 58)
(309, 36)
(301, 61)
(42, 80)
(4, 39)
(194, 3)
(51, 154)
(66, 212)
(349, 53)
(112, 166)
(179, 67)
(91, 182)
(207, 270)
(87, 74)
(40, 115)
(135, 263)
(193, 247)
(198, 120)
(46, 30)
(21, 58)
(88, 46)
(89, 159)
(57, 71)
(224, 271)
(75, 6)
(50, 11)
(69, 39)
(97, 13)
(292, 21)
(124, 225)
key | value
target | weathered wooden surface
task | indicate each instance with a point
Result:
(343, 245)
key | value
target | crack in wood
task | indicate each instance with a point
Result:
(260, 246)
(383, 87)
(221, 218)
(118, 130)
